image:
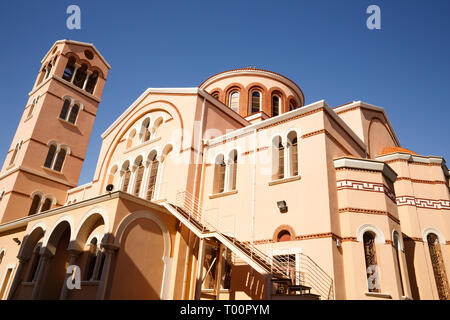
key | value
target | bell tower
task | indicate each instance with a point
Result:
(49, 146)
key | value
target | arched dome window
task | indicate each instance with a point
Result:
(276, 104)
(234, 101)
(255, 101)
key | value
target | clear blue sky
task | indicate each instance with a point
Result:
(324, 46)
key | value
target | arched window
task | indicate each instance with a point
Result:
(255, 102)
(2, 254)
(74, 113)
(80, 76)
(14, 155)
(234, 101)
(65, 109)
(156, 125)
(60, 160)
(293, 153)
(276, 105)
(92, 81)
(151, 186)
(139, 175)
(33, 105)
(232, 170)
(126, 177)
(48, 70)
(277, 158)
(437, 261)
(373, 278)
(47, 205)
(35, 204)
(292, 105)
(219, 174)
(397, 246)
(145, 130)
(50, 156)
(112, 174)
(284, 235)
(69, 70)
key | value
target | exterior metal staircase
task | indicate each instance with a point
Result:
(284, 282)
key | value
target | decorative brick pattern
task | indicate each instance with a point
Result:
(423, 203)
(366, 186)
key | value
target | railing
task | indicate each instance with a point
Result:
(303, 272)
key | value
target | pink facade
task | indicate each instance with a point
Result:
(235, 189)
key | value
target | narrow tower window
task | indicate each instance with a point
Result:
(50, 156)
(74, 113)
(65, 109)
(35, 205)
(60, 160)
(92, 81)
(47, 205)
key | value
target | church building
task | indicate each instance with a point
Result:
(235, 189)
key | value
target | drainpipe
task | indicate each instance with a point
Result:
(253, 188)
(200, 146)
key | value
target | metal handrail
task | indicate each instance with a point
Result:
(310, 274)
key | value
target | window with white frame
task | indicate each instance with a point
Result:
(234, 101)
(255, 101)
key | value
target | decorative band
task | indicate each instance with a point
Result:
(370, 211)
(423, 203)
(366, 186)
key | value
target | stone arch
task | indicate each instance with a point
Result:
(91, 219)
(138, 221)
(282, 228)
(379, 236)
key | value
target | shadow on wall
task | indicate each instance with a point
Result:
(409, 255)
(137, 268)
(245, 279)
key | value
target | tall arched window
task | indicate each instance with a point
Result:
(14, 155)
(33, 105)
(277, 158)
(65, 109)
(437, 261)
(232, 169)
(74, 113)
(145, 130)
(234, 101)
(50, 156)
(397, 246)
(219, 174)
(35, 204)
(151, 186)
(92, 81)
(69, 70)
(80, 76)
(255, 101)
(126, 177)
(276, 104)
(47, 205)
(130, 139)
(373, 278)
(139, 175)
(60, 160)
(293, 153)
